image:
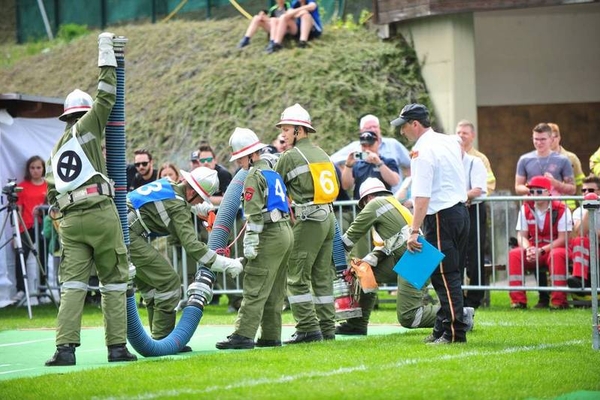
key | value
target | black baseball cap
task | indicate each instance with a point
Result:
(411, 112)
(195, 156)
(368, 137)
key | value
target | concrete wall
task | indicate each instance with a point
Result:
(446, 47)
(538, 56)
(544, 55)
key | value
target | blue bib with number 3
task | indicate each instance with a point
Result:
(149, 193)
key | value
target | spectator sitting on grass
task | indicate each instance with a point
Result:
(264, 19)
(302, 20)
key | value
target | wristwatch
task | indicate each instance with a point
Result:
(413, 231)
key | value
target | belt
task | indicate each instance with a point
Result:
(313, 207)
(313, 212)
(273, 216)
(96, 189)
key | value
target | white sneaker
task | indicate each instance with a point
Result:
(18, 297)
(469, 317)
(44, 300)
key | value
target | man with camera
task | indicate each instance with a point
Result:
(364, 164)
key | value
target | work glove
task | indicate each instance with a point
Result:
(231, 266)
(251, 245)
(370, 259)
(202, 209)
(106, 54)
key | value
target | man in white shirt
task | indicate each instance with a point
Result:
(476, 176)
(439, 194)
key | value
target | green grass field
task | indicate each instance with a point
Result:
(511, 354)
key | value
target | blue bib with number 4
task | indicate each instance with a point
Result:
(277, 195)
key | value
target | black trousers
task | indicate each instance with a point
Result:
(475, 258)
(448, 230)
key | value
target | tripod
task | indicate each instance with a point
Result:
(16, 221)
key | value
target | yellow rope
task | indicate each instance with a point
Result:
(175, 10)
(240, 9)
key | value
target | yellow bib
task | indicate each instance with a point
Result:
(324, 182)
(405, 212)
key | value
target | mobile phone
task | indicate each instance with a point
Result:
(361, 155)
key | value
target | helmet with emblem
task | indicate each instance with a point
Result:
(203, 180)
(296, 115)
(77, 102)
(370, 186)
(243, 141)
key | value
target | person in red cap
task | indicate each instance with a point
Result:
(542, 229)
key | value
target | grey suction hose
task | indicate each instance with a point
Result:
(228, 209)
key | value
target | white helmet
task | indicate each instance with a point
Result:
(370, 186)
(296, 115)
(243, 142)
(77, 101)
(205, 181)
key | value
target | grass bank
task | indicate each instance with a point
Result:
(186, 82)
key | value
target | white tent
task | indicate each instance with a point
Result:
(20, 138)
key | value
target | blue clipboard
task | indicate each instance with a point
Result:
(417, 267)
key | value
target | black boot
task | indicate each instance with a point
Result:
(119, 352)
(235, 342)
(64, 355)
(305, 337)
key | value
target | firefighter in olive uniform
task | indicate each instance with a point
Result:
(267, 247)
(312, 185)
(163, 208)
(389, 222)
(90, 228)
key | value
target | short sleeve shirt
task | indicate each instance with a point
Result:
(530, 165)
(565, 223)
(437, 171)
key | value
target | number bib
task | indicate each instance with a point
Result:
(276, 192)
(71, 166)
(151, 192)
(324, 182)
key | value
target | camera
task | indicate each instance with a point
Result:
(360, 155)
(11, 189)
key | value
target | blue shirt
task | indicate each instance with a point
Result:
(389, 148)
(315, 14)
(363, 170)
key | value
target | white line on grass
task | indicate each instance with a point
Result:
(27, 342)
(16, 370)
(340, 371)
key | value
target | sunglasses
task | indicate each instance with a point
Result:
(142, 164)
(588, 190)
(205, 160)
(536, 191)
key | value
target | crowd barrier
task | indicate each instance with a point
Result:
(502, 214)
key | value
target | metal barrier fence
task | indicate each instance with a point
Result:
(501, 227)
